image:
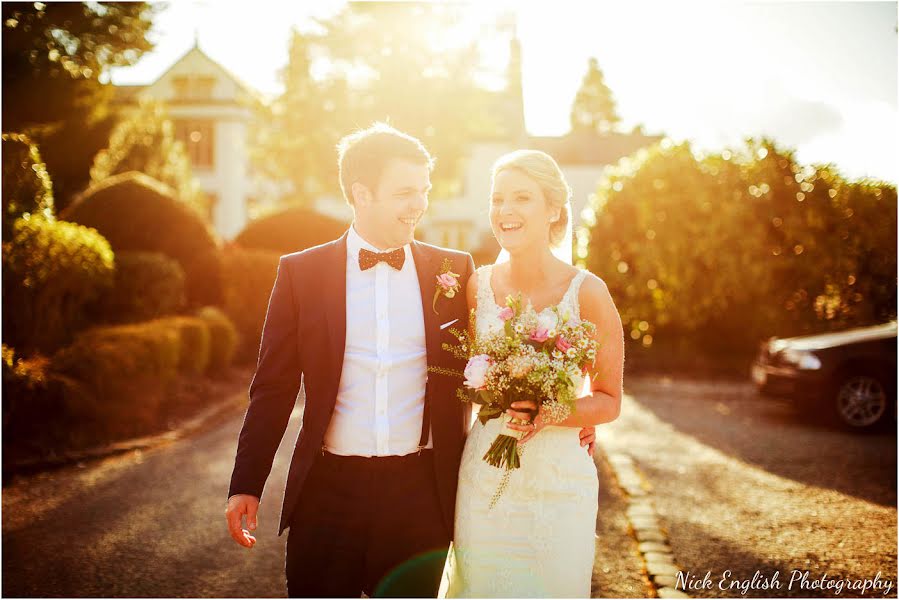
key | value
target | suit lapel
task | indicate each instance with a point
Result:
(426, 266)
(334, 289)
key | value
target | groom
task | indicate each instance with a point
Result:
(370, 496)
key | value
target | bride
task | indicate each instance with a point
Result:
(538, 540)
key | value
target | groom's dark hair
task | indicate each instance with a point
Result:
(363, 154)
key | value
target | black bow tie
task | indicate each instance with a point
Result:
(368, 259)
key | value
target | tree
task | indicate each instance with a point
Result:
(53, 57)
(404, 63)
(721, 251)
(300, 128)
(146, 142)
(594, 106)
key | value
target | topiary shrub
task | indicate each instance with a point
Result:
(147, 285)
(123, 372)
(26, 184)
(52, 272)
(136, 212)
(206, 284)
(289, 230)
(249, 276)
(224, 338)
(195, 342)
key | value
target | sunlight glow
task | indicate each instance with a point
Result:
(710, 73)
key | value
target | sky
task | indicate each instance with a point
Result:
(818, 77)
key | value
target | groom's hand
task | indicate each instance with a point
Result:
(238, 506)
(588, 438)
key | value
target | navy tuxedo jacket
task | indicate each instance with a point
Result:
(304, 336)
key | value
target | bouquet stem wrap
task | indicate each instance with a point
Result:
(503, 453)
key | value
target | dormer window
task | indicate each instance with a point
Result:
(193, 87)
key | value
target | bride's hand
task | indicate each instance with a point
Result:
(530, 428)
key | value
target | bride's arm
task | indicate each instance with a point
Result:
(606, 376)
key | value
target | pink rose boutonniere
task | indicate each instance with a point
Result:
(447, 283)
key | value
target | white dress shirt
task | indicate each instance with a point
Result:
(380, 400)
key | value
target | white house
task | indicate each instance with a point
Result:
(212, 113)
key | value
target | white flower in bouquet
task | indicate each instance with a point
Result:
(476, 371)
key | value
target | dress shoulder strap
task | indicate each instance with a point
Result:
(485, 292)
(571, 296)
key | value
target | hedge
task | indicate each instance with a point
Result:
(136, 212)
(289, 230)
(249, 275)
(147, 285)
(224, 338)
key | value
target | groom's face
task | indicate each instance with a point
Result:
(389, 213)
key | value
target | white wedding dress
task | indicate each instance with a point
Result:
(539, 538)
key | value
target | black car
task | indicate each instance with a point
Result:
(850, 374)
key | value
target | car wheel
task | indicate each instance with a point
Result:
(861, 400)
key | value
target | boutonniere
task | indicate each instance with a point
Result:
(447, 283)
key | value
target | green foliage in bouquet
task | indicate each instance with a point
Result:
(535, 357)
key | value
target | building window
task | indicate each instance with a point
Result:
(198, 137)
(193, 87)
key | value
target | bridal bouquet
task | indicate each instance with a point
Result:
(534, 357)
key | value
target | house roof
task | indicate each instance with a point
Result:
(127, 93)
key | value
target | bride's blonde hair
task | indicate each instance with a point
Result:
(542, 168)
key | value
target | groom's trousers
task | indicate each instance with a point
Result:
(370, 525)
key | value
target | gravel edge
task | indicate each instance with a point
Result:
(645, 526)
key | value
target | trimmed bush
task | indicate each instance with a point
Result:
(224, 338)
(26, 184)
(290, 230)
(195, 341)
(123, 372)
(206, 284)
(52, 272)
(147, 285)
(250, 275)
(136, 212)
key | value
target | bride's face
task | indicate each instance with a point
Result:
(519, 213)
